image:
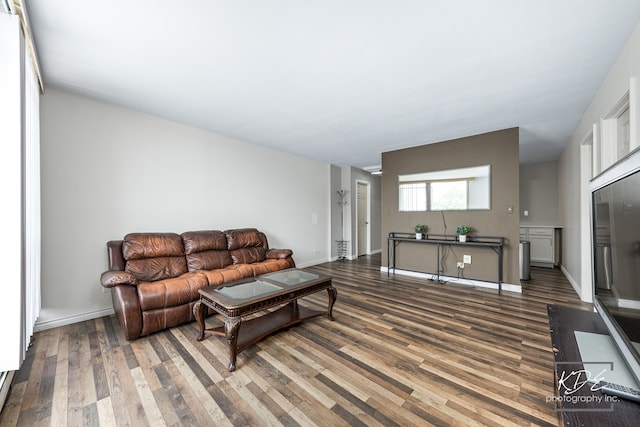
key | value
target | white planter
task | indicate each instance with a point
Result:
(418, 236)
(462, 237)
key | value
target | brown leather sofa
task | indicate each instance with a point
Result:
(155, 277)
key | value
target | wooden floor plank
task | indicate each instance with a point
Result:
(91, 416)
(402, 351)
(74, 378)
(106, 416)
(13, 405)
(196, 409)
(151, 410)
(87, 381)
(30, 399)
(60, 391)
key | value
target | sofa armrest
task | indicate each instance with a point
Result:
(109, 279)
(279, 253)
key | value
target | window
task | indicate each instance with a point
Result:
(413, 197)
(434, 196)
(624, 133)
(449, 196)
(20, 171)
(615, 138)
(448, 190)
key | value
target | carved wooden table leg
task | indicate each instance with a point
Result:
(231, 329)
(198, 311)
(333, 295)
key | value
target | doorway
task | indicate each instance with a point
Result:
(362, 218)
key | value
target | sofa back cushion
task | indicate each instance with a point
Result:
(154, 256)
(245, 245)
(206, 250)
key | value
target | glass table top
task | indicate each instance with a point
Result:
(248, 290)
(291, 277)
(264, 285)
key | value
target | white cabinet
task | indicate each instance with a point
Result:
(544, 245)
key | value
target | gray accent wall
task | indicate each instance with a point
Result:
(539, 193)
(498, 149)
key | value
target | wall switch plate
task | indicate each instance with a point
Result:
(460, 264)
(526, 213)
(509, 209)
(466, 259)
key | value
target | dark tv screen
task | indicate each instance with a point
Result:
(616, 246)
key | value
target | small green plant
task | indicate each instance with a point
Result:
(463, 229)
(421, 228)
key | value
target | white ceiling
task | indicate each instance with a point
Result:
(341, 81)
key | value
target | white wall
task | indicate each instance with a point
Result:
(613, 89)
(108, 171)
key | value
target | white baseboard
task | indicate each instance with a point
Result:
(542, 264)
(572, 281)
(349, 257)
(312, 263)
(57, 320)
(492, 285)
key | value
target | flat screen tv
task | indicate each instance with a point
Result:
(616, 251)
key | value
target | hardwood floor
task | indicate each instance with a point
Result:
(402, 351)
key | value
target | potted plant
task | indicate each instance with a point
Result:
(462, 231)
(420, 228)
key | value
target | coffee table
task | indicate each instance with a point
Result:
(258, 294)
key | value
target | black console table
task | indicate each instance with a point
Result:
(493, 242)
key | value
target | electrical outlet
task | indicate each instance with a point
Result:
(466, 259)
(460, 264)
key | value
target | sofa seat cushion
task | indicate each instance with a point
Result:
(206, 250)
(269, 266)
(228, 274)
(154, 256)
(171, 292)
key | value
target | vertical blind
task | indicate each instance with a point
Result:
(20, 256)
(31, 192)
(413, 197)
